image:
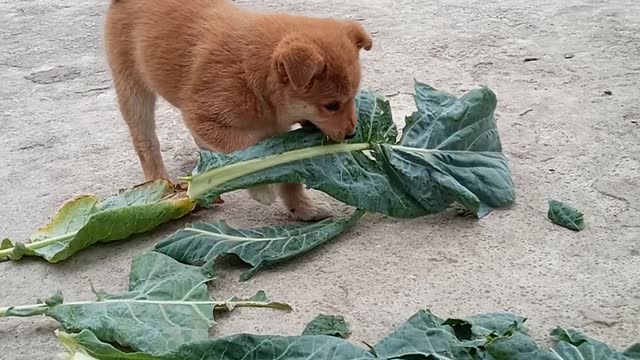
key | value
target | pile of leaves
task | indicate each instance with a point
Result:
(449, 153)
(167, 312)
(424, 336)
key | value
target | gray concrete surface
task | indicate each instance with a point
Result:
(567, 140)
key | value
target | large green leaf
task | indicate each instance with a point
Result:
(84, 221)
(167, 305)
(450, 152)
(203, 244)
(236, 347)
(423, 337)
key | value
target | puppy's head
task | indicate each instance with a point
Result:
(320, 70)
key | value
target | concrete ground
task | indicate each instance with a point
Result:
(565, 137)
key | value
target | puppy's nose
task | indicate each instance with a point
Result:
(350, 136)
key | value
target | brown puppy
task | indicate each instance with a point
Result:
(237, 76)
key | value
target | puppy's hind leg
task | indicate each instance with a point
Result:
(137, 105)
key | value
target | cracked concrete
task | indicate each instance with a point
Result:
(566, 140)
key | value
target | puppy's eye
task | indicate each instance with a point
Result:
(332, 106)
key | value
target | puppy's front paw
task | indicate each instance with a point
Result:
(311, 211)
(264, 194)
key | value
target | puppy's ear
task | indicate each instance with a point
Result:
(298, 61)
(359, 36)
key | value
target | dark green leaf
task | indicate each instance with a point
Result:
(332, 325)
(425, 335)
(633, 352)
(167, 305)
(450, 152)
(203, 244)
(565, 215)
(84, 221)
(488, 324)
(572, 345)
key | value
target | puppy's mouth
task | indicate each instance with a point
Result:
(308, 124)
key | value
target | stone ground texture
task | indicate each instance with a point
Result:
(566, 139)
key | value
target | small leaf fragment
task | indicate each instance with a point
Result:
(55, 299)
(565, 215)
(260, 299)
(10, 250)
(332, 325)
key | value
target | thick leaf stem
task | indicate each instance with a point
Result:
(39, 309)
(201, 184)
(39, 244)
(35, 309)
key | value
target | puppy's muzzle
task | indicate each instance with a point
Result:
(350, 136)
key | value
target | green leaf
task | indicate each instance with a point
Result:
(516, 346)
(426, 335)
(572, 345)
(633, 351)
(565, 215)
(496, 336)
(450, 152)
(332, 325)
(80, 346)
(234, 347)
(203, 244)
(84, 221)
(167, 304)
(487, 326)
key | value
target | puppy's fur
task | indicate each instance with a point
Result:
(237, 76)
